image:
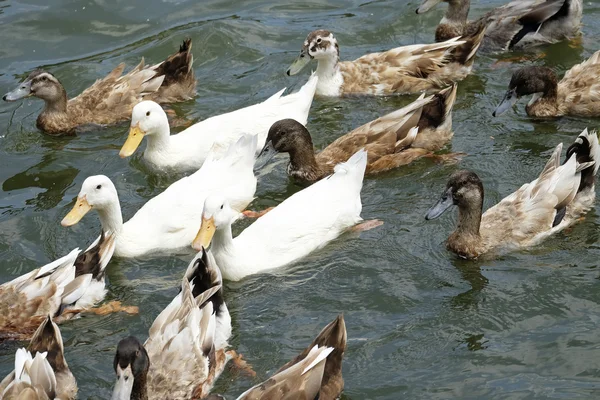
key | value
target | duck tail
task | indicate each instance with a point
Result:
(355, 164)
(203, 274)
(95, 259)
(465, 53)
(179, 82)
(297, 105)
(587, 152)
(48, 339)
(439, 110)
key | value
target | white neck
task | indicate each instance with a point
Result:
(160, 140)
(330, 77)
(111, 218)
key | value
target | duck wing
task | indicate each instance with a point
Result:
(579, 90)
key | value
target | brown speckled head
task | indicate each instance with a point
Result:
(320, 43)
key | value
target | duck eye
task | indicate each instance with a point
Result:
(98, 187)
(147, 113)
(319, 40)
(221, 206)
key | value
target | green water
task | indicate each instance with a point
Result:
(421, 324)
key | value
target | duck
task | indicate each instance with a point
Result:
(61, 289)
(315, 373)
(170, 220)
(577, 94)
(109, 100)
(559, 197)
(395, 139)
(41, 371)
(179, 359)
(302, 223)
(188, 150)
(519, 24)
(408, 69)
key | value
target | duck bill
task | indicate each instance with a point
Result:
(300, 62)
(24, 90)
(444, 203)
(205, 234)
(266, 154)
(136, 134)
(427, 5)
(509, 100)
(79, 210)
(124, 384)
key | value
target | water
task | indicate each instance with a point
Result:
(421, 324)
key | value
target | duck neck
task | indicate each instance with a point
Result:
(302, 160)
(56, 105)
(328, 72)
(222, 242)
(159, 141)
(469, 219)
(544, 104)
(140, 388)
(111, 218)
(457, 12)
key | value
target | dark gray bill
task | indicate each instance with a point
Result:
(299, 63)
(266, 154)
(23, 90)
(509, 100)
(427, 5)
(444, 203)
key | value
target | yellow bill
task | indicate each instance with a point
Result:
(133, 141)
(205, 234)
(80, 208)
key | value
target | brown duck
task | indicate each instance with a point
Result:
(49, 381)
(559, 197)
(111, 99)
(393, 140)
(577, 94)
(315, 373)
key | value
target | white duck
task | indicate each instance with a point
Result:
(304, 222)
(170, 220)
(188, 149)
(61, 288)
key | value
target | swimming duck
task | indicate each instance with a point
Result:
(187, 150)
(41, 372)
(393, 140)
(71, 283)
(408, 69)
(170, 220)
(518, 24)
(111, 99)
(577, 94)
(552, 202)
(179, 359)
(304, 222)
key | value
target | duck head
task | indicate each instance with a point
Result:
(533, 80)
(285, 136)
(40, 84)
(97, 192)
(464, 189)
(319, 45)
(147, 119)
(217, 214)
(131, 366)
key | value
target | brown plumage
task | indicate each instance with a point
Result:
(111, 99)
(391, 141)
(296, 381)
(578, 93)
(518, 24)
(552, 202)
(47, 338)
(76, 281)
(407, 69)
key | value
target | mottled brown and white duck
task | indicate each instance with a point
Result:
(577, 94)
(111, 99)
(408, 69)
(393, 140)
(516, 25)
(555, 200)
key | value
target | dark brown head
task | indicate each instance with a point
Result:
(464, 189)
(319, 45)
(40, 84)
(285, 136)
(538, 81)
(131, 366)
(47, 338)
